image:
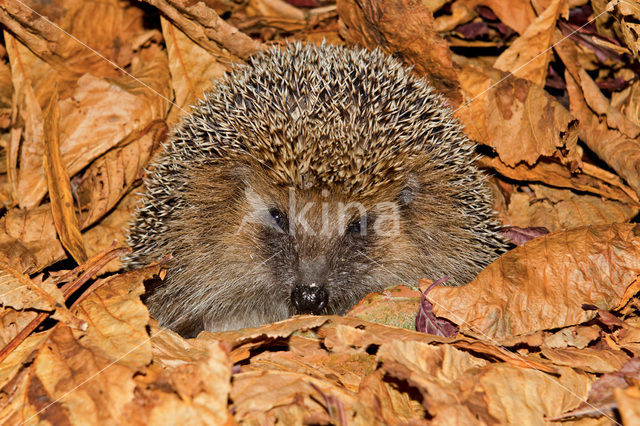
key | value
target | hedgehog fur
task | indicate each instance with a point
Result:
(244, 191)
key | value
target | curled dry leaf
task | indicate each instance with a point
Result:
(518, 119)
(62, 205)
(587, 359)
(444, 363)
(77, 376)
(192, 68)
(578, 337)
(111, 176)
(520, 236)
(426, 321)
(189, 383)
(558, 209)
(628, 16)
(544, 283)
(242, 341)
(528, 57)
(390, 405)
(621, 152)
(592, 179)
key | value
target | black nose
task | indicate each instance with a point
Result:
(309, 298)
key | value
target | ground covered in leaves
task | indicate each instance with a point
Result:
(549, 332)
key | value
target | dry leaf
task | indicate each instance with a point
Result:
(544, 283)
(62, 205)
(192, 69)
(558, 209)
(618, 150)
(394, 306)
(111, 176)
(86, 376)
(519, 120)
(528, 57)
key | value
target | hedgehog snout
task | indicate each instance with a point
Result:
(311, 298)
(309, 294)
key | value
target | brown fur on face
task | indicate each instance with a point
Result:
(235, 267)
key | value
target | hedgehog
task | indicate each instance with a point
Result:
(304, 180)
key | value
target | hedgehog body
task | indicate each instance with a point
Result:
(303, 181)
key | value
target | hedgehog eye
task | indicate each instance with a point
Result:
(279, 218)
(357, 227)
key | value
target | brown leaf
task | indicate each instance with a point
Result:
(404, 29)
(306, 356)
(433, 370)
(579, 337)
(6, 90)
(352, 335)
(112, 229)
(96, 113)
(518, 15)
(526, 396)
(621, 152)
(628, 16)
(111, 176)
(19, 292)
(193, 388)
(587, 359)
(592, 179)
(31, 23)
(544, 283)
(628, 403)
(87, 375)
(528, 57)
(391, 406)
(260, 392)
(192, 68)
(28, 239)
(516, 118)
(393, 306)
(12, 323)
(557, 209)
(62, 205)
(444, 363)
(242, 341)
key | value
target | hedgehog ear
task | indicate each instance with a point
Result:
(409, 190)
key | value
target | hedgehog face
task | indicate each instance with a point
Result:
(319, 247)
(263, 252)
